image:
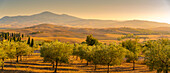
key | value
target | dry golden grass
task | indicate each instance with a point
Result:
(79, 40)
(62, 39)
(35, 64)
(114, 35)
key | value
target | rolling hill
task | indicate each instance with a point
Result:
(48, 30)
(163, 29)
(71, 21)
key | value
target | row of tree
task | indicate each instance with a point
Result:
(112, 54)
(11, 50)
(29, 42)
(156, 53)
(126, 36)
(11, 36)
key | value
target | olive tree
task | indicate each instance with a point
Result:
(76, 50)
(90, 40)
(3, 56)
(133, 48)
(157, 55)
(7, 51)
(22, 49)
(109, 55)
(57, 52)
(96, 56)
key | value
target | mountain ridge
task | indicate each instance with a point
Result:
(72, 21)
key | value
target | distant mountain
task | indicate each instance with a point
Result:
(71, 21)
(27, 21)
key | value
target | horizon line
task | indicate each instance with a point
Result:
(85, 18)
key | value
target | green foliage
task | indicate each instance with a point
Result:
(90, 40)
(23, 49)
(11, 49)
(56, 52)
(133, 48)
(100, 54)
(7, 50)
(157, 55)
(126, 36)
(38, 32)
(108, 55)
(76, 50)
(82, 51)
(19, 39)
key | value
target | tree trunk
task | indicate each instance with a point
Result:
(76, 57)
(17, 59)
(108, 68)
(81, 60)
(2, 64)
(133, 65)
(11, 62)
(20, 58)
(166, 71)
(87, 63)
(53, 64)
(56, 66)
(95, 67)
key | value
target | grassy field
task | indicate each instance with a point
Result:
(79, 40)
(35, 64)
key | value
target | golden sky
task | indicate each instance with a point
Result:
(152, 10)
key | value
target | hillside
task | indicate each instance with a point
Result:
(71, 21)
(164, 29)
(48, 30)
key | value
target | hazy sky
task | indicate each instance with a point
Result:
(152, 10)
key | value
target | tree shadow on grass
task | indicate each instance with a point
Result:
(116, 69)
(15, 71)
(42, 68)
(29, 63)
(146, 71)
(15, 66)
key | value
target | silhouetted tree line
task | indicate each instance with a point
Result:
(11, 36)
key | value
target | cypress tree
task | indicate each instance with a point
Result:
(6, 36)
(14, 38)
(28, 42)
(10, 39)
(32, 43)
(8, 33)
(19, 35)
(12, 34)
(22, 35)
(19, 39)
